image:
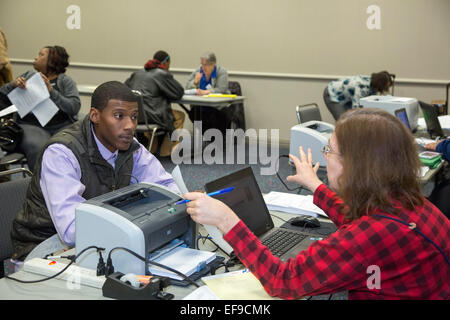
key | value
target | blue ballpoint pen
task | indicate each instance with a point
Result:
(215, 193)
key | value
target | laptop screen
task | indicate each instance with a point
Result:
(403, 116)
(245, 200)
(431, 119)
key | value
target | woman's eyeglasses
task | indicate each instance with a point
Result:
(327, 150)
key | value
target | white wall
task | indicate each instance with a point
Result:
(283, 52)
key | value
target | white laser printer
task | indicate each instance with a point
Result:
(391, 104)
(142, 217)
(313, 134)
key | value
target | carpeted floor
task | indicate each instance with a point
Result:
(196, 175)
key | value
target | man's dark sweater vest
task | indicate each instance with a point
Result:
(33, 224)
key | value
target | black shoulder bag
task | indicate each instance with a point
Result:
(10, 135)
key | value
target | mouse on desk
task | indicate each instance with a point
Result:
(305, 222)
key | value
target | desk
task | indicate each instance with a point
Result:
(205, 101)
(210, 101)
(431, 173)
(56, 289)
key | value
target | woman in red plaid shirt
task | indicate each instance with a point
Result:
(391, 242)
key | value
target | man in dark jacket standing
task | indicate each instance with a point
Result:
(159, 88)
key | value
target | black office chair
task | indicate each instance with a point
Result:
(12, 159)
(12, 196)
(308, 112)
(235, 115)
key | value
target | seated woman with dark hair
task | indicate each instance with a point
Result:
(344, 94)
(51, 63)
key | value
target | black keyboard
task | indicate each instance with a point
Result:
(281, 241)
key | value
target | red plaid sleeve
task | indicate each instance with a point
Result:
(326, 266)
(331, 204)
(410, 267)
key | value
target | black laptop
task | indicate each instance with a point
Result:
(430, 115)
(247, 202)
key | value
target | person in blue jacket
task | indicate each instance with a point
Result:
(440, 194)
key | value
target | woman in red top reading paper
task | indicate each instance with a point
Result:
(386, 228)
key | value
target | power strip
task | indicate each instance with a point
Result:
(75, 275)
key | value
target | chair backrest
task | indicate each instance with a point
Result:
(235, 88)
(142, 116)
(308, 112)
(12, 196)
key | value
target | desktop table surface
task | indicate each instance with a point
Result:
(62, 290)
(210, 101)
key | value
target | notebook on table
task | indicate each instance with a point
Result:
(247, 202)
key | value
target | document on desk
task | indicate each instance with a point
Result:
(201, 293)
(237, 285)
(443, 120)
(35, 98)
(185, 260)
(293, 203)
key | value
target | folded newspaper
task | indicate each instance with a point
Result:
(292, 203)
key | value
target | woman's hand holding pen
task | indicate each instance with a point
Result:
(206, 210)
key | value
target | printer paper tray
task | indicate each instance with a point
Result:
(197, 275)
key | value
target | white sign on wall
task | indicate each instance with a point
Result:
(74, 20)
(374, 20)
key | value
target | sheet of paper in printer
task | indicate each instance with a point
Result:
(215, 234)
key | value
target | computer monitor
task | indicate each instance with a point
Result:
(401, 114)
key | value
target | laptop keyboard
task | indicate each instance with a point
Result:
(281, 241)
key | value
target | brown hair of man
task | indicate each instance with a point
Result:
(380, 163)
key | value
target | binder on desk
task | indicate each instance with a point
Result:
(219, 95)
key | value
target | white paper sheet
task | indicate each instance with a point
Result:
(202, 293)
(292, 203)
(6, 111)
(45, 111)
(34, 98)
(26, 99)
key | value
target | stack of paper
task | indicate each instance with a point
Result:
(292, 203)
(185, 260)
(35, 98)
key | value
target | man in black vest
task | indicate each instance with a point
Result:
(94, 156)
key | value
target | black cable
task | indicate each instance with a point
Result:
(274, 215)
(153, 263)
(72, 259)
(210, 239)
(300, 188)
